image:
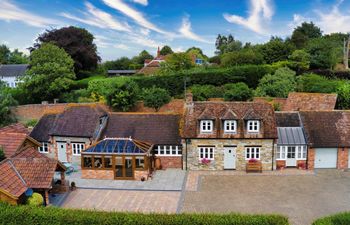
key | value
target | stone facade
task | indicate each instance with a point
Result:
(171, 162)
(193, 162)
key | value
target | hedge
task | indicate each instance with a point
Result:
(332, 74)
(336, 219)
(11, 215)
(174, 83)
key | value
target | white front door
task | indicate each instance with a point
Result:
(62, 151)
(291, 156)
(229, 158)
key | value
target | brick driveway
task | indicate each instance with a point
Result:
(302, 198)
(123, 200)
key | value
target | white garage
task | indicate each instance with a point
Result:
(325, 158)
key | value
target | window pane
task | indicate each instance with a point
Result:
(87, 162)
(140, 162)
(98, 162)
(108, 161)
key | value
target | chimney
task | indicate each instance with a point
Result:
(158, 52)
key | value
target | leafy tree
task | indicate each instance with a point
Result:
(300, 60)
(122, 63)
(77, 42)
(324, 54)
(275, 50)
(177, 61)
(2, 154)
(303, 33)
(197, 52)
(225, 44)
(166, 50)
(343, 99)
(203, 92)
(123, 94)
(317, 84)
(237, 92)
(156, 97)
(215, 59)
(6, 101)
(51, 73)
(241, 58)
(279, 84)
(17, 57)
(140, 59)
(4, 54)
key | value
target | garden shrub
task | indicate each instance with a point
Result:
(57, 216)
(336, 219)
(35, 200)
(204, 92)
(237, 92)
(317, 84)
(155, 97)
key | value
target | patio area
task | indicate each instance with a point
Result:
(163, 180)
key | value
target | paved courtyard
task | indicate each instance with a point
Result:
(302, 198)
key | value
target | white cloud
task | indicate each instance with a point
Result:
(11, 12)
(145, 41)
(260, 12)
(134, 14)
(144, 31)
(98, 18)
(121, 46)
(187, 32)
(142, 2)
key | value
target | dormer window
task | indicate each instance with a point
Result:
(206, 126)
(230, 126)
(253, 126)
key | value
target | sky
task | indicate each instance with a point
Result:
(126, 27)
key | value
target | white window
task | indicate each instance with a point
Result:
(77, 148)
(253, 126)
(206, 153)
(281, 152)
(252, 153)
(44, 148)
(168, 150)
(206, 126)
(230, 126)
(301, 152)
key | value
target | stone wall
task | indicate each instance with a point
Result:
(193, 163)
(171, 162)
(97, 174)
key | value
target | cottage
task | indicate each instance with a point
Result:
(328, 137)
(225, 135)
(11, 73)
(27, 169)
(291, 145)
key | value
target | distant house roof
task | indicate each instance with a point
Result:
(297, 101)
(11, 138)
(327, 128)
(77, 121)
(121, 72)
(43, 127)
(291, 136)
(13, 70)
(237, 110)
(27, 169)
(152, 128)
(287, 119)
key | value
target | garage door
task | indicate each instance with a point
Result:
(325, 158)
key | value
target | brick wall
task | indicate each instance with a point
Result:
(311, 158)
(141, 173)
(97, 174)
(342, 162)
(171, 162)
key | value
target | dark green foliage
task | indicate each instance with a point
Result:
(204, 92)
(31, 123)
(336, 219)
(58, 216)
(6, 101)
(317, 84)
(324, 53)
(237, 92)
(79, 95)
(166, 50)
(215, 59)
(122, 63)
(155, 97)
(225, 44)
(275, 50)
(343, 99)
(242, 57)
(140, 59)
(2, 153)
(14, 57)
(303, 33)
(4, 54)
(77, 42)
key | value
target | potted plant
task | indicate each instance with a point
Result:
(73, 187)
(205, 161)
(301, 165)
(253, 165)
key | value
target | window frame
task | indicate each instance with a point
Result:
(44, 145)
(251, 123)
(77, 147)
(253, 152)
(300, 150)
(230, 123)
(211, 152)
(161, 150)
(206, 124)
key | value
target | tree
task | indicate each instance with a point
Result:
(17, 57)
(4, 54)
(300, 60)
(316, 84)
(324, 53)
(275, 50)
(279, 84)
(303, 33)
(123, 94)
(77, 42)
(343, 99)
(241, 58)
(237, 92)
(156, 97)
(6, 101)
(177, 61)
(203, 92)
(2, 154)
(225, 44)
(166, 50)
(142, 56)
(122, 63)
(51, 73)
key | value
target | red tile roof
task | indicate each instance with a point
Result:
(10, 181)
(11, 138)
(298, 101)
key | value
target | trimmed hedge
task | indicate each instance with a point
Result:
(336, 219)
(332, 74)
(55, 216)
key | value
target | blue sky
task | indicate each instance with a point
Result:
(125, 27)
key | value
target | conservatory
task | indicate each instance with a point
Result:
(117, 158)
